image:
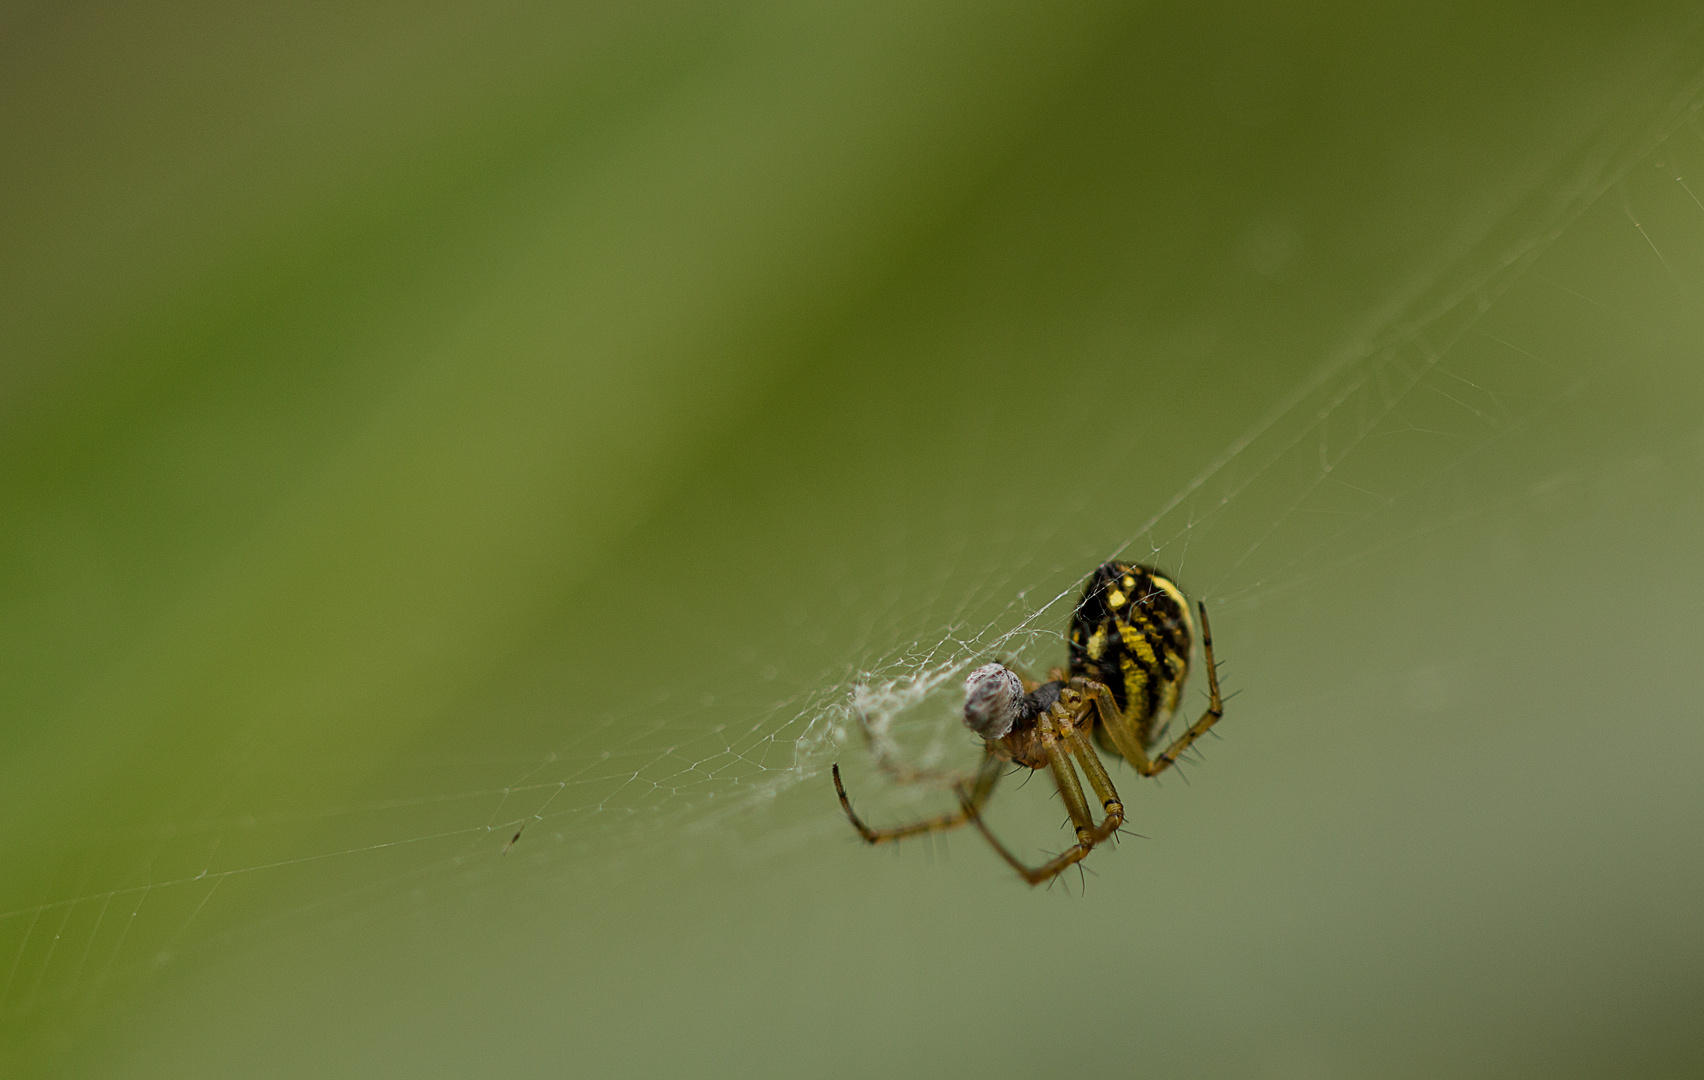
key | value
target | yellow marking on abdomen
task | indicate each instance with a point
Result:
(1182, 604)
(1137, 642)
(1135, 689)
(1097, 643)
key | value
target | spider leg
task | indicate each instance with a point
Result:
(971, 799)
(1215, 709)
(1088, 833)
(1092, 768)
(1045, 872)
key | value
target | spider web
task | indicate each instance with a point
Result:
(1424, 418)
(1366, 456)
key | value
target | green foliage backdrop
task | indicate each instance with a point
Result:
(420, 423)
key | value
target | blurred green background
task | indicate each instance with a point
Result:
(422, 423)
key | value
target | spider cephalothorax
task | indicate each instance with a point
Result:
(1130, 640)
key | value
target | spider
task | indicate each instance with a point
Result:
(1130, 642)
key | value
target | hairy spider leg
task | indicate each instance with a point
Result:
(1127, 744)
(970, 803)
(1088, 833)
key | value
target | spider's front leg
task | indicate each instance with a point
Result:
(1061, 731)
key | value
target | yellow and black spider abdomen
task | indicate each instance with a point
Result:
(1132, 632)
